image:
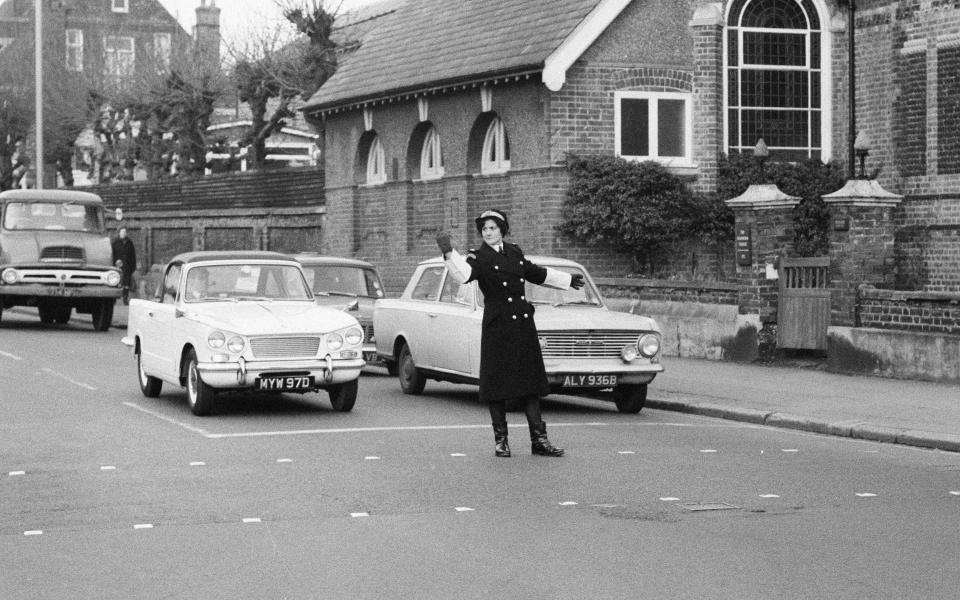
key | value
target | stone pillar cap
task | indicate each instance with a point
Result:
(760, 196)
(863, 192)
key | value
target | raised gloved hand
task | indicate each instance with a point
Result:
(576, 281)
(443, 241)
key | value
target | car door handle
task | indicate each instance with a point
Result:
(432, 315)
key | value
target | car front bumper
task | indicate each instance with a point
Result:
(244, 374)
(558, 370)
(43, 290)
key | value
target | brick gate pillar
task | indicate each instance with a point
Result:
(707, 27)
(764, 232)
(861, 244)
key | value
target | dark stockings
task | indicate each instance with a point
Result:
(531, 406)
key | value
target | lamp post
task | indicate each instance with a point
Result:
(852, 60)
(38, 92)
(861, 148)
(761, 153)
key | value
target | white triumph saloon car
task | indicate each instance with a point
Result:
(242, 321)
(432, 331)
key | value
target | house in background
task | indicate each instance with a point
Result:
(446, 108)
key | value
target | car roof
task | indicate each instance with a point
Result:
(50, 195)
(318, 259)
(251, 255)
(555, 261)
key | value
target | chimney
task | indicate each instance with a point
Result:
(206, 33)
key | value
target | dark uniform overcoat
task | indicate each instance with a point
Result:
(511, 365)
(124, 250)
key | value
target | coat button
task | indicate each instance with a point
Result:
(524, 315)
(521, 280)
(504, 284)
(523, 297)
(509, 299)
(514, 317)
(496, 267)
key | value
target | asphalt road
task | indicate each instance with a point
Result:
(107, 494)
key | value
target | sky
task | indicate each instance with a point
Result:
(240, 18)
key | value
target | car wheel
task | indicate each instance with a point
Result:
(411, 379)
(61, 316)
(150, 386)
(103, 315)
(343, 396)
(630, 397)
(392, 368)
(199, 395)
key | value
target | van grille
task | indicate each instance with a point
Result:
(586, 343)
(61, 254)
(285, 347)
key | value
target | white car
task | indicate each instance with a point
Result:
(432, 331)
(231, 321)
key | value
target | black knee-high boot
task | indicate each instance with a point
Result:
(539, 444)
(498, 414)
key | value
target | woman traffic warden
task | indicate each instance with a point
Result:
(511, 364)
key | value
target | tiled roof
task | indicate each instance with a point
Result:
(426, 43)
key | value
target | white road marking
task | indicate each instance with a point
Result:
(953, 493)
(8, 355)
(371, 429)
(457, 454)
(152, 413)
(33, 532)
(198, 463)
(866, 495)
(359, 514)
(13, 473)
(605, 505)
(108, 468)
(769, 496)
(284, 460)
(568, 503)
(143, 526)
(790, 450)
(626, 452)
(252, 520)
(669, 499)
(708, 451)
(463, 509)
(73, 381)
(371, 458)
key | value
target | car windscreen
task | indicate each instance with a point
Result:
(343, 280)
(585, 296)
(53, 216)
(240, 282)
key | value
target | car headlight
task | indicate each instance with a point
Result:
(334, 341)
(235, 344)
(10, 276)
(113, 278)
(353, 336)
(629, 353)
(649, 345)
(216, 339)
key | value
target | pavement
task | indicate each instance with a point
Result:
(795, 395)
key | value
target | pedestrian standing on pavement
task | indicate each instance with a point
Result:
(125, 259)
(511, 364)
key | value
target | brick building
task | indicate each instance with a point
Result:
(447, 107)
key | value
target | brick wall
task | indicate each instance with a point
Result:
(909, 311)
(665, 290)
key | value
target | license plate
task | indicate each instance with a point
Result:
(280, 383)
(599, 381)
(370, 357)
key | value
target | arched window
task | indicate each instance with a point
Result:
(431, 158)
(496, 149)
(376, 163)
(775, 84)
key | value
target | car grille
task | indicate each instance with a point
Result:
(284, 347)
(61, 254)
(586, 344)
(367, 331)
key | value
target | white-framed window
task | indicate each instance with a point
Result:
(777, 84)
(120, 6)
(119, 56)
(161, 49)
(431, 157)
(74, 43)
(496, 149)
(376, 163)
(654, 126)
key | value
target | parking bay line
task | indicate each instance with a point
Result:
(65, 378)
(8, 355)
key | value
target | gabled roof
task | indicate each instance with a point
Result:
(428, 44)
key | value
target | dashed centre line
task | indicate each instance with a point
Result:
(8, 355)
(85, 386)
